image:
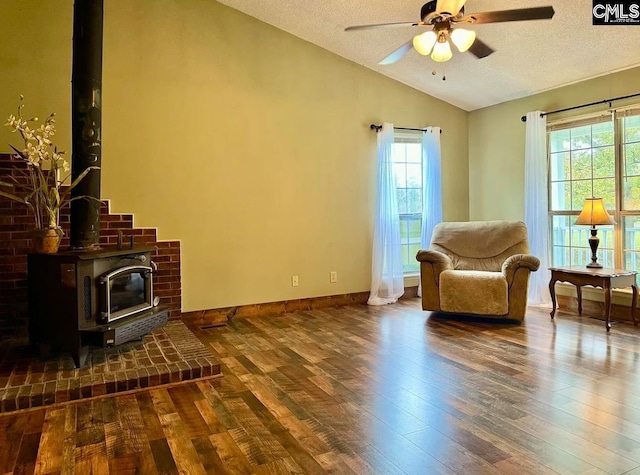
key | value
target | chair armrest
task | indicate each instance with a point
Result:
(439, 260)
(432, 264)
(434, 257)
(519, 261)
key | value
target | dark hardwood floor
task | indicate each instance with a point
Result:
(387, 390)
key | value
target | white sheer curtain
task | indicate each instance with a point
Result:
(431, 187)
(536, 210)
(387, 275)
(431, 184)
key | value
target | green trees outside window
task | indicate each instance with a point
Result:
(407, 167)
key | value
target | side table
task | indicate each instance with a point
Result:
(607, 279)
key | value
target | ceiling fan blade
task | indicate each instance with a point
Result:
(399, 53)
(384, 25)
(519, 14)
(450, 6)
(480, 49)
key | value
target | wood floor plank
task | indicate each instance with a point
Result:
(230, 454)
(586, 429)
(226, 417)
(208, 456)
(11, 434)
(493, 447)
(125, 465)
(50, 454)
(331, 463)
(184, 453)
(586, 450)
(183, 399)
(268, 399)
(33, 422)
(305, 437)
(610, 406)
(92, 459)
(26, 456)
(146, 462)
(612, 422)
(162, 402)
(133, 428)
(69, 438)
(521, 465)
(546, 452)
(89, 424)
(152, 426)
(450, 453)
(284, 466)
(210, 417)
(165, 465)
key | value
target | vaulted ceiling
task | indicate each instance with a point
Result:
(529, 57)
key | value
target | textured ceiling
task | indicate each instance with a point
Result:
(530, 56)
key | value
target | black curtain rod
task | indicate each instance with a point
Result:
(378, 127)
(605, 101)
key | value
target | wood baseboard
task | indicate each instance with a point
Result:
(220, 316)
(594, 309)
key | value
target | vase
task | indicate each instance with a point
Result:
(46, 241)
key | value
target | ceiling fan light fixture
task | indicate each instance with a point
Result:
(463, 39)
(443, 16)
(424, 42)
(441, 50)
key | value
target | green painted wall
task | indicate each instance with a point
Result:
(253, 145)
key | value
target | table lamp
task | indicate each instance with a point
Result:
(594, 213)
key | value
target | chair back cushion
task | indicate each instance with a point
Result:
(480, 245)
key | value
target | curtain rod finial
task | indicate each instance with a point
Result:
(523, 118)
(375, 127)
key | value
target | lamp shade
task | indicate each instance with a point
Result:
(441, 51)
(463, 39)
(594, 212)
(424, 43)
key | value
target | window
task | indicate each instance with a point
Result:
(597, 157)
(407, 168)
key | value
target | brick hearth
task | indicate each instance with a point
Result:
(169, 354)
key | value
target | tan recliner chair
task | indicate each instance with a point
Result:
(478, 268)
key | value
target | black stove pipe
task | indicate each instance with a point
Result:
(86, 122)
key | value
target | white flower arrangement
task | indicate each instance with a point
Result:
(39, 185)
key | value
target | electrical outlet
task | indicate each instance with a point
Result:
(294, 281)
(333, 277)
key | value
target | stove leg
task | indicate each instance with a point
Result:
(44, 351)
(80, 356)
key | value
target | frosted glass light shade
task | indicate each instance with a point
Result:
(441, 52)
(463, 39)
(424, 43)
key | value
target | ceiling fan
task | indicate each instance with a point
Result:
(441, 16)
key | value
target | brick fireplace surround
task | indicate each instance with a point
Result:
(168, 354)
(15, 223)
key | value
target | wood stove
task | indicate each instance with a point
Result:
(91, 298)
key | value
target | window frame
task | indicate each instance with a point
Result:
(409, 137)
(618, 212)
